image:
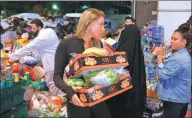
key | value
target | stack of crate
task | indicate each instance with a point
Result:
(12, 103)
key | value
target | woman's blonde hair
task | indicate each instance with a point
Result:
(86, 19)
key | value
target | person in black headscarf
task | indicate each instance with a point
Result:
(130, 104)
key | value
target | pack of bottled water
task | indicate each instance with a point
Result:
(151, 37)
(152, 23)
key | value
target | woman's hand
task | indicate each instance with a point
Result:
(159, 51)
(76, 101)
(160, 54)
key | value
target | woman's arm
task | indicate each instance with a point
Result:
(61, 62)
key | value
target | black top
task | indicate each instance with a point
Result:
(62, 57)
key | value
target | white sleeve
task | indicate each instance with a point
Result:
(33, 45)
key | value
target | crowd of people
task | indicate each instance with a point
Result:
(21, 25)
(174, 84)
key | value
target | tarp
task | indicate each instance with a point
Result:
(4, 24)
(72, 15)
(27, 15)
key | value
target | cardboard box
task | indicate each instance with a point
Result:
(96, 94)
(87, 62)
(110, 42)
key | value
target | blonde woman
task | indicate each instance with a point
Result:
(90, 30)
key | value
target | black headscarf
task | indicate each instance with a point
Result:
(131, 103)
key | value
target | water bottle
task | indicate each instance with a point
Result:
(147, 72)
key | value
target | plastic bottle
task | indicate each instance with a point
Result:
(27, 77)
(8, 75)
(16, 77)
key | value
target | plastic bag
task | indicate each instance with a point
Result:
(105, 78)
(30, 60)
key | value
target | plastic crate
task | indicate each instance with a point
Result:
(11, 91)
(19, 111)
(8, 104)
(11, 96)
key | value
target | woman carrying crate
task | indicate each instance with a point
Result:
(89, 32)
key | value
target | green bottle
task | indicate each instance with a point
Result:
(27, 77)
